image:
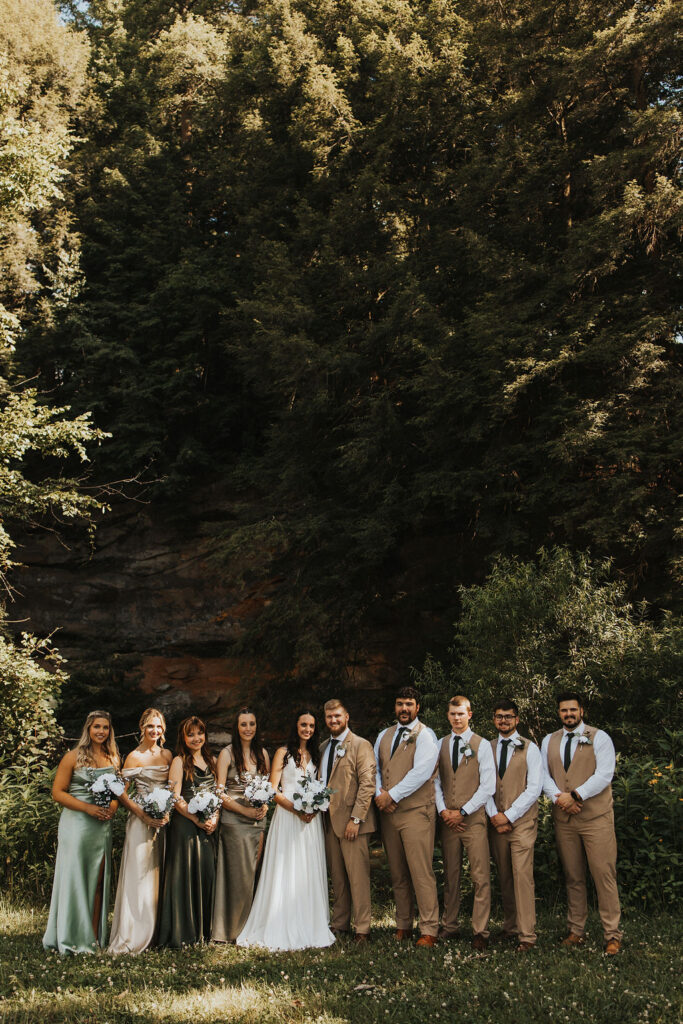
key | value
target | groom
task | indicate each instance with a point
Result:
(348, 767)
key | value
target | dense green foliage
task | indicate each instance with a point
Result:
(560, 622)
(42, 72)
(405, 276)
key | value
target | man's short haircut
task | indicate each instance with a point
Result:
(456, 701)
(409, 693)
(333, 703)
(505, 704)
(569, 695)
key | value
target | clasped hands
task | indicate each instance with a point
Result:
(385, 803)
(567, 803)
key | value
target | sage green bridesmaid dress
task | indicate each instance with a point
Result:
(240, 841)
(83, 843)
(189, 874)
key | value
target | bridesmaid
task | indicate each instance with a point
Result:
(80, 891)
(242, 830)
(189, 872)
(137, 895)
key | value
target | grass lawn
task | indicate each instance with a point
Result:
(381, 982)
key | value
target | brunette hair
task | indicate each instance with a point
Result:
(257, 750)
(506, 704)
(185, 754)
(147, 715)
(84, 751)
(567, 695)
(409, 693)
(313, 745)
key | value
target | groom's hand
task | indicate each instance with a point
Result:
(351, 831)
(454, 820)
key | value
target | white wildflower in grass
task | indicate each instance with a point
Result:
(311, 795)
(106, 787)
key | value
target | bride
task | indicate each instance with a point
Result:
(291, 909)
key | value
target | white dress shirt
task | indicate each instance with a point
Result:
(426, 755)
(605, 763)
(534, 780)
(328, 752)
(487, 774)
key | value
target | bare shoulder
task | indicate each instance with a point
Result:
(134, 760)
(69, 759)
(167, 755)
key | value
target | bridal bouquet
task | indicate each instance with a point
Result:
(311, 795)
(258, 790)
(204, 804)
(158, 803)
(106, 787)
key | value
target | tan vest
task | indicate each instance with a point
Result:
(513, 782)
(581, 768)
(460, 786)
(395, 768)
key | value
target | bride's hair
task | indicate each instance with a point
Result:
(84, 751)
(313, 745)
(256, 745)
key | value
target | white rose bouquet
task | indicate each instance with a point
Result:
(157, 803)
(106, 787)
(311, 795)
(258, 791)
(204, 804)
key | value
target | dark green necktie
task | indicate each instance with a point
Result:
(456, 751)
(568, 751)
(398, 737)
(504, 757)
(330, 759)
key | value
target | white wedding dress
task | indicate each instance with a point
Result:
(291, 907)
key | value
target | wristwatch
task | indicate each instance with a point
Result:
(575, 796)
(356, 821)
(464, 812)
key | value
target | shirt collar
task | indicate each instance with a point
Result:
(342, 736)
(513, 736)
(466, 735)
(577, 732)
(413, 725)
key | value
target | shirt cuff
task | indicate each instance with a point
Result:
(392, 793)
(469, 807)
(440, 804)
(511, 815)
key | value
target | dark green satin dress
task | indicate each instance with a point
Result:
(83, 846)
(189, 874)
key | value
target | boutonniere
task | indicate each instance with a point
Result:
(411, 738)
(585, 741)
(518, 744)
(340, 752)
(467, 750)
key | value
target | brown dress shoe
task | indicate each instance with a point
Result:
(612, 947)
(480, 943)
(361, 937)
(446, 936)
(524, 947)
(504, 937)
(401, 934)
(427, 941)
(571, 940)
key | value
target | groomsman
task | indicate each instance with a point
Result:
(465, 781)
(347, 765)
(406, 762)
(578, 766)
(513, 814)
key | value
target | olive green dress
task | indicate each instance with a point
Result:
(189, 874)
(239, 845)
(83, 844)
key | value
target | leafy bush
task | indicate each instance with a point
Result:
(28, 695)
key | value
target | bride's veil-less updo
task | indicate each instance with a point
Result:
(313, 745)
(84, 751)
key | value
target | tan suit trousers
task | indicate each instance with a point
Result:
(475, 841)
(408, 838)
(597, 840)
(514, 856)
(349, 865)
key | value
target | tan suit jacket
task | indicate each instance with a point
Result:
(353, 780)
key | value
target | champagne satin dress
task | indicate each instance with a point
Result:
(137, 896)
(83, 846)
(240, 841)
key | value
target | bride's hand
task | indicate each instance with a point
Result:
(306, 817)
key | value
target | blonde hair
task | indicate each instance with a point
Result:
(458, 700)
(84, 751)
(333, 703)
(147, 715)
